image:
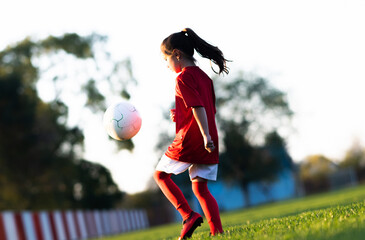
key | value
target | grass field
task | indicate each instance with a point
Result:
(335, 215)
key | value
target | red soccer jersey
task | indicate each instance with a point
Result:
(193, 89)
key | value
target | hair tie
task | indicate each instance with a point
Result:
(185, 32)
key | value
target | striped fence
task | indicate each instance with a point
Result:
(69, 225)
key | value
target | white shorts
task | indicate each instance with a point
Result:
(206, 171)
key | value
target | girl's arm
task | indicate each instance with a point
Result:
(201, 118)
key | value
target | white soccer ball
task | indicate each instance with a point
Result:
(122, 121)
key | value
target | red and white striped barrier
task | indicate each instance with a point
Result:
(69, 225)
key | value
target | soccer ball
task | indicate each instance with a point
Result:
(122, 121)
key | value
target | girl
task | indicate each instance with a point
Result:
(195, 146)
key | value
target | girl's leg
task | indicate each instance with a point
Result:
(208, 204)
(173, 193)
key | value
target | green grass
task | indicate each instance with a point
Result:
(334, 215)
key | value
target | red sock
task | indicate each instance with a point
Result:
(209, 206)
(173, 193)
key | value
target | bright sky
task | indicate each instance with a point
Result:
(314, 50)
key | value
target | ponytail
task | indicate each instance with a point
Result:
(187, 40)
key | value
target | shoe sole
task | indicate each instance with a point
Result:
(198, 222)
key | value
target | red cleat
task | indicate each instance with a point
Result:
(190, 224)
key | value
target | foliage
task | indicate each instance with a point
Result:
(355, 157)
(315, 167)
(94, 188)
(334, 215)
(249, 109)
(40, 154)
(252, 105)
(314, 171)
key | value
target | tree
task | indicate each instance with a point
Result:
(41, 164)
(244, 163)
(314, 171)
(355, 157)
(252, 104)
(250, 112)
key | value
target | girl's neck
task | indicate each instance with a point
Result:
(186, 63)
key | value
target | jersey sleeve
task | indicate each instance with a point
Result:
(189, 91)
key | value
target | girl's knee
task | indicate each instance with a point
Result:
(200, 188)
(199, 179)
(158, 175)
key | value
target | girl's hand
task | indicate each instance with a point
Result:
(209, 144)
(172, 114)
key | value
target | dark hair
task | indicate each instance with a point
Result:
(187, 40)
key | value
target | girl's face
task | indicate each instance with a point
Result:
(172, 63)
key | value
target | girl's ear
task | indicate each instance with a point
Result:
(176, 53)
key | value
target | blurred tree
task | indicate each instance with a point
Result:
(95, 187)
(314, 171)
(249, 112)
(245, 163)
(355, 157)
(252, 105)
(40, 155)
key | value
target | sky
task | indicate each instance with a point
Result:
(313, 50)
